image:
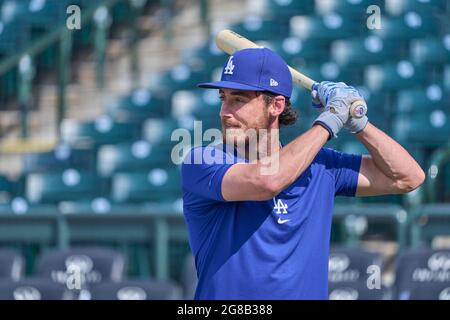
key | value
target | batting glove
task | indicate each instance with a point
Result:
(334, 101)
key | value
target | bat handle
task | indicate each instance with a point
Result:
(358, 108)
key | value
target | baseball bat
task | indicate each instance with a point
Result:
(230, 42)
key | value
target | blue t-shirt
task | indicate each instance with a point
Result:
(274, 249)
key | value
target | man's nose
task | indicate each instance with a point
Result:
(225, 110)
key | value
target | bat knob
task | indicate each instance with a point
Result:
(358, 109)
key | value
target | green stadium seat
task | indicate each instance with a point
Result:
(141, 104)
(431, 50)
(160, 184)
(401, 75)
(68, 185)
(6, 189)
(429, 7)
(296, 51)
(411, 25)
(181, 77)
(327, 28)
(427, 128)
(331, 71)
(127, 157)
(101, 131)
(207, 56)
(347, 8)
(363, 51)
(421, 99)
(258, 28)
(159, 131)
(281, 8)
(62, 157)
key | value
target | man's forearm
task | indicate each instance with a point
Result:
(388, 155)
(296, 156)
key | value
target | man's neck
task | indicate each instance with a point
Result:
(268, 143)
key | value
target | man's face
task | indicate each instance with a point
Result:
(240, 111)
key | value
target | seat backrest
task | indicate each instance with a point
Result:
(351, 265)
(136, 290)
(11, 264)
(422, 268)
(355, 291)
(90, 265)
(33, 289)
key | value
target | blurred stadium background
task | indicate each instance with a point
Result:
(86, 180)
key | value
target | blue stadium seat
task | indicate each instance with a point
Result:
(33, 289)
(422, 273)
(160, 184)
(180, 77)
(136, 290)
(94, 264)
(12, 265)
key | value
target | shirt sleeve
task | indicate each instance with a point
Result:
(344, 168)
(203, 170)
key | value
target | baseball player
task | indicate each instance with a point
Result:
(266, 236)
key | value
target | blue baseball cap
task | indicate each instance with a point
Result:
(256, 69)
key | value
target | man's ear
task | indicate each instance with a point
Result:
(277, 106)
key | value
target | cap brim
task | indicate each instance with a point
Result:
(228, 85)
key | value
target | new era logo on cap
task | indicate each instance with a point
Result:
(255, 69)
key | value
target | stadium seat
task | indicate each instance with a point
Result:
(356, 291)
(430, 7)
(206, 56)
(259, 28)
(410, 25)
(394, 76)
(189, 277)
(180, 77)
(99, 132)
(12, 265)
(422, 274)
(364, 51)
(160, 184)
(6, 189)
(140, 105)
(331, 71)
(430, 127)
(136, 290)
(61, 158)
(296, 51)
(126, 157)
(159, 131)
(33, 289)
(431, 50)
(422, 99)
(68, 185)
(351, 264)
(349, 9)
(326, 29)
(94, 264)
(281, 8)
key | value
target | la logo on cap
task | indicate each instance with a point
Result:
(229, 67)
